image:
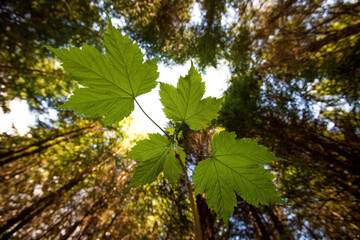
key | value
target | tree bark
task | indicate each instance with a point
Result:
(41, 147)
(41, 142)
(333, 38)
(27, 214)
(79, 221)
(46, 234)
(206, 218)
(279, 225)
(260, 225)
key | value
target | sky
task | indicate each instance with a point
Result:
(216, 82)
(19, 116)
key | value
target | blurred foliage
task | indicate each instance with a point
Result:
(158, 26)
(300, 96)
(26, 69)
(294, 87)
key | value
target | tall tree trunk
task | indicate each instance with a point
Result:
(46, 234)
(12, 173)
(259, 223)
(72, 229)
(103, 236)
(41, 142)
(206, 218)
(43, 147)
(279, 225)
(336, 36)
(27, 214)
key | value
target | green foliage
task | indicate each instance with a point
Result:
(111, 82)
(154, 155)
(27, 68)
(111, 85)
(151, 23)
(274, 50)
(184, 103)
(234, 167)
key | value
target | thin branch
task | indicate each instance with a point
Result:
(152, 120)
(198, 231)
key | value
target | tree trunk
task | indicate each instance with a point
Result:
(41, 142)
(279, 225)
(73, 227)
(259, 224)
(27, 214)
(46, 234)
(43, 147)
(206, 218)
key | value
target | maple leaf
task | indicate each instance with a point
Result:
(234, 168)
(154, 155)
(111, 82)
(185, 102)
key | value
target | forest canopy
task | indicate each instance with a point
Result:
(294, 87)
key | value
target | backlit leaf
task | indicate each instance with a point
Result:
(185, 102)
(234, 168)
(111, 82)
(154, 155)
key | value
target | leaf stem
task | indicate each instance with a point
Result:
(197, 226)
(152, 120)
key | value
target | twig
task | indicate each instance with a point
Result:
(198, 231)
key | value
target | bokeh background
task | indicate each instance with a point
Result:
(288, 74)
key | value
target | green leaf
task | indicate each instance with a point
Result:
(171, 131)
(111, 82)
(154, 155)
(233, 167)
(185, 102)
